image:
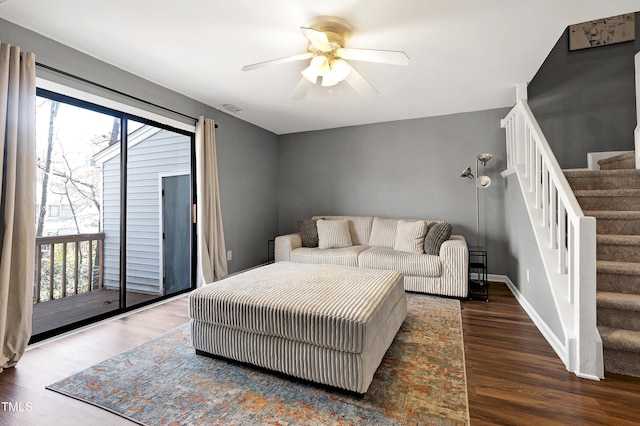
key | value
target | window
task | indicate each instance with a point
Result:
(54, 210)
(96, 210)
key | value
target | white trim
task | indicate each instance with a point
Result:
(99, 100)
(540, 324)
(594, 157)
(508, 172)
(139, 135)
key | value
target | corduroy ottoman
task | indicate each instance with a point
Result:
(324, 323)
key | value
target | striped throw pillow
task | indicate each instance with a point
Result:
(410, 236)
(333, 234)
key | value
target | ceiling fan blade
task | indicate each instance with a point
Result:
(301, 89)
(299, 57)
(361, 85)
(392, 57)
(317, 38)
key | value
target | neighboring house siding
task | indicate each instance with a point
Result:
(164, 153)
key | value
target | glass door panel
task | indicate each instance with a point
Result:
(158, 230)
(73, 278)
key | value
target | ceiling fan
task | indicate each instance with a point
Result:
(327, 36)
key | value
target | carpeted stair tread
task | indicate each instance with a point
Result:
(600, 173)
(619, 339)
(620, 248)
(603, 179)
(622, 240)
(616, 222)
(621, 161)
(618, 268)
(623, 302)
(613, 214)
(627, 199)
(619, 192)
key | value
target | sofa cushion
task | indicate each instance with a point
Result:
(308, 232)
(406, 263)
(359, 227)
(438, 234)
(383, 232)
(347, 256)
(410, 236)
(333, 234)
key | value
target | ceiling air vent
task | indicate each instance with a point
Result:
(232, 108)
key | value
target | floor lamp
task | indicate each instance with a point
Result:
(481, 182)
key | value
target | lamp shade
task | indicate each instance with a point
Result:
(484, 158)
(466, 173)
(483, 181)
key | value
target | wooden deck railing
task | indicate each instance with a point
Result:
(68, 264)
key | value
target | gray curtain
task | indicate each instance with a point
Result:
(212, 255)
(17, 200)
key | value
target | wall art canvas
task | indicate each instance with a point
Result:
(615, 29)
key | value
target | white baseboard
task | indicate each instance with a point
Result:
(542, 326)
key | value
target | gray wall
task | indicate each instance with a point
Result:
(523, 255)
(247, 155)
(401, 169)
(584, 100)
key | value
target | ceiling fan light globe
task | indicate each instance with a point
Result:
(321, 64)
(340, 69)
(310, 73)
(328, 80)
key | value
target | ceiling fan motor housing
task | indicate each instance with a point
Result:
(338, 31)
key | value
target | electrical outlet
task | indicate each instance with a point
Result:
(229, 255)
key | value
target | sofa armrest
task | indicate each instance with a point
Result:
(454, 255)
(284, 245)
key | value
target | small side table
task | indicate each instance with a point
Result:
(478, 282)
(270, 251)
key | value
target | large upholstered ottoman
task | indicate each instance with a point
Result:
(324, 323)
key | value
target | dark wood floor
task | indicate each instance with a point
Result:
(513, 375)
(515, 378)
(57, 313)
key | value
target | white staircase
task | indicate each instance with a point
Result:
(565, 238)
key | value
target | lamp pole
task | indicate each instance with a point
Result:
(477, 208)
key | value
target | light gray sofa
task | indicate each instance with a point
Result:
(379, 243)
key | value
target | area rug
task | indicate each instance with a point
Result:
(421, 381)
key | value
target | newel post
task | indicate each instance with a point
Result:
(520, 145)
(636, 133)
(588, 358)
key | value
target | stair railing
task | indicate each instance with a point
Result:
(566, 239)
(636, 133)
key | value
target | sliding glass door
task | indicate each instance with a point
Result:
(114, 228)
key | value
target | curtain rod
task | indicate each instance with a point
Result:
(101, 86)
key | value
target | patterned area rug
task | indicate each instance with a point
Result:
(421, 380)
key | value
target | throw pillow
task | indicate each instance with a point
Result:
(410, 236)
(438, 234)
(308, 232)
(333, 234)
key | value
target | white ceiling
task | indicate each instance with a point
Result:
(466, 55)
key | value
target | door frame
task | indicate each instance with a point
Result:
(161, 176)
